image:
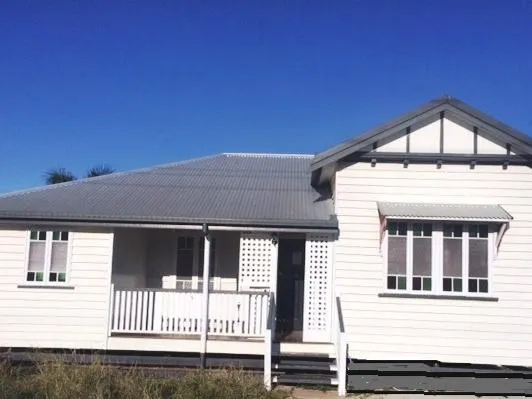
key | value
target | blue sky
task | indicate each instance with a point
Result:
(134, 83)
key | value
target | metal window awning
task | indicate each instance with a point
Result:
(456, 212)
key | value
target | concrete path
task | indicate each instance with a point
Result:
(300, 393)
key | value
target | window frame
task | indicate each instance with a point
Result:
(196, 278)
(48, 259)
(437, 258)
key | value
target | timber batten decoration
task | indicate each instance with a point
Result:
(257, 256)
(318, 277)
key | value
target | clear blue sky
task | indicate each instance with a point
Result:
(134, 83)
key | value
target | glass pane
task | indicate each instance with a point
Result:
(30, 276)
(392, 228)
(401, 283)
(59, 256)
(427, 284)
(447, 284)
(457, 285)
(403, 227)
(416, 283)
(62, 277)
(473, 285)
(34, 235)
(184, 262)
(478, 258)
(42, 236)
(483, 285)
(39, 276)
(64, 236)
(392, 282)
(417, 228)
(36, 258)
(483, 231)
(473, 230)
(396, 255)
(56, 235)
(452, 257)
(422, 256)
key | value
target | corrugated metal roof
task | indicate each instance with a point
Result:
(251, 189)
(464, 212)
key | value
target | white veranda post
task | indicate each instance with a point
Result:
(318, 288)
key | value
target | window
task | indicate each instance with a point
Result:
(190, 260)
(478, 258)
(448, 258)
(185, 256)
(452, 258)
(397, 255)
(422, 257)
(48, 256)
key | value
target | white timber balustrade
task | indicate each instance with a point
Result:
(148, 311)
(340, 344)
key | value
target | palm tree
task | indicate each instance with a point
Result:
(100, 170)
(58, 175)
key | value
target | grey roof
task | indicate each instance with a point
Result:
(488, 126)
(236, 189)
(471, 212)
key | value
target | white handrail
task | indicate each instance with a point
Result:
(340, 343)
(268, 340)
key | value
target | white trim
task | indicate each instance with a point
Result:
(205, 293)
(437, 261)
(48, 260)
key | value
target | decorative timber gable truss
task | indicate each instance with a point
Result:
(443, 131)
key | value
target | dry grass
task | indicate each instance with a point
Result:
(57, 380)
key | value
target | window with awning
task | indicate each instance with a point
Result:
(440, 248)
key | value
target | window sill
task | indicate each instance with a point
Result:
(50, 286)
(438, 296)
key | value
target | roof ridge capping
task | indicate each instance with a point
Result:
(363, 140)
(266, 155)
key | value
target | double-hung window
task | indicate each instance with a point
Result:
(190, 260)
(48, 256)
(439, 257)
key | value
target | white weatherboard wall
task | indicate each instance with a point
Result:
(458, 138)
(54, 317)
(441, 329)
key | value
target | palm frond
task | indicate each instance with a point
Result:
(58, 175)
(100, 170)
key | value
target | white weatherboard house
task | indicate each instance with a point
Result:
(411, 242)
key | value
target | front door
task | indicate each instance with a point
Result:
(290, 288)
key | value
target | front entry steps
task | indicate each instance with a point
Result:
(304, 369)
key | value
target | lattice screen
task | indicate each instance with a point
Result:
(257, 257)
(318, 278)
